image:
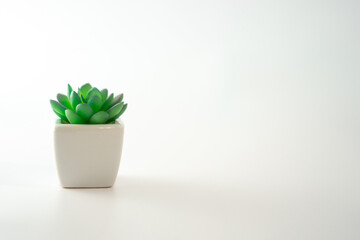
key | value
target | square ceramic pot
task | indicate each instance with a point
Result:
(88, 156)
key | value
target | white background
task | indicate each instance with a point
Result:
(243, 118)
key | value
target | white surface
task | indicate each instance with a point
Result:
(243, 118)
(88, 155)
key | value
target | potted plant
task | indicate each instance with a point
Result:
(88, 138)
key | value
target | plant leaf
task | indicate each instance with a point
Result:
(107, 103)
(104, 94)
(82, 98)
(57, 107)
(122, 110)
(119, 114)
(93, 92)
(84, 111)
(95, 103)
(99, 118)
(117, 99)
(69, 90)
(73, 117)
(64, 100)
(63, 118)
(74, 99)
(114, 110)
(85, 89)
(59, 110)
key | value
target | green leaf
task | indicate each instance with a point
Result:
(93, 92)
(122, 110)
(119, 114)
(107, 103)
(82, 98)
(64, 100)
(69, 90)
(59, 110)
(57, 107)
(113, 111)
(99, 118)
(73, 117)
(95, 103)
(117, 99)
(88, 105)
(62, 117)
(74, 99)
(85, 89)
(84, 111)
(104, 94)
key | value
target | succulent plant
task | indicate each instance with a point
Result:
(88, 106)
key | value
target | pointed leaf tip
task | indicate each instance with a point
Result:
(114, 110)
(93, 92)
(118, 114)
(69, 90)
(85, 89)
(107, 102)
(117, 99)
(104, 94)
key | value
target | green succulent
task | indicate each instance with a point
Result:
(88, 106)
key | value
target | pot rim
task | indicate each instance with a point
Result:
(117, 124)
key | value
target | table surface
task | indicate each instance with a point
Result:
(145, 207)
(224, 190)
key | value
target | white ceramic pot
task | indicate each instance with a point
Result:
(88, 155)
